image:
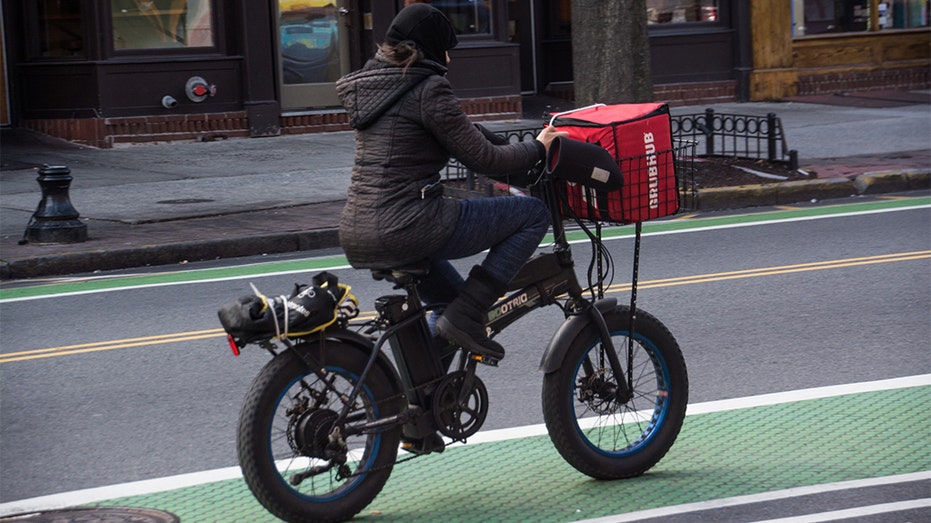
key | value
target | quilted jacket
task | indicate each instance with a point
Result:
(407, 126)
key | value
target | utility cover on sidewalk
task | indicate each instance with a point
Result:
(95, 515)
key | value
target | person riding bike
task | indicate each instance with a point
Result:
(408, 123)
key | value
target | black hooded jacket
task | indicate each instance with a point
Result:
(408, 124)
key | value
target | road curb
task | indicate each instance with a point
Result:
(168, 254)
(784, 193)
(878, 182)
(714, 198)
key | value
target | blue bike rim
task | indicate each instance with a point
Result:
(358, 475)
(660, 406)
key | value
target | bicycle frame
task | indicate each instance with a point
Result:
(541, 282)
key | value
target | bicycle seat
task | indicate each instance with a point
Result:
(405, 273)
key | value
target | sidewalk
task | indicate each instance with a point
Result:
(177, 202)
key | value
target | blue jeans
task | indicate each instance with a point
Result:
(510, 227)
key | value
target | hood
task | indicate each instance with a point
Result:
(368, 93)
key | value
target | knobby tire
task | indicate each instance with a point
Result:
(595, 432)
(268, 435)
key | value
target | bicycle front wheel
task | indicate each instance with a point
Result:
(293, 462)
(593, 426)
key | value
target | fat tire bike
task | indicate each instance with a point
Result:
(324, 421)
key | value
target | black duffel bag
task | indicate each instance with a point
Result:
(309, 308)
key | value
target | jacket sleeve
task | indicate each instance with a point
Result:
(444, 118)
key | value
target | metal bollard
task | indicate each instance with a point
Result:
(55, 219)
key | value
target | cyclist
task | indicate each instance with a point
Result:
(408, 124)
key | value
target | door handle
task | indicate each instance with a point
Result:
(343, 11)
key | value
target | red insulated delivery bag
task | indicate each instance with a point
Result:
(639, 138)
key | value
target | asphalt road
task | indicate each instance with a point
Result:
(147, 387)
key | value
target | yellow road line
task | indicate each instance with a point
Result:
(773, 271)
(108, 345)
(83, 348)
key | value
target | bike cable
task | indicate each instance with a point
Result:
(601, 255)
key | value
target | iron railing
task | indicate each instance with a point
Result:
(719, 134)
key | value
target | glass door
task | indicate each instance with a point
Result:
(313, 51)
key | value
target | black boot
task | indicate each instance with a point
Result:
(463, 322)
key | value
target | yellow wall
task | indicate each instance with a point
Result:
(779, 60)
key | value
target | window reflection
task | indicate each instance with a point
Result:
(467, 16)
(61, 28)
(158, 24)
(813, 17)
(558, 18)
(309, 41)
(681, 11)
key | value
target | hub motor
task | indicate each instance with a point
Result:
(312, 431)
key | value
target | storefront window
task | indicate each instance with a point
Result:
(681, 11)
(813, 17)
(467, 16)
(60, 28)
(558, 18)
(904, 14)
(161, 24)
(310, 51)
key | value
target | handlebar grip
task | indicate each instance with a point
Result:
(584, 163)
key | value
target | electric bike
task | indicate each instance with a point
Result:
(326, 419)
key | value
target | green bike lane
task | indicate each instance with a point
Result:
(763, 447)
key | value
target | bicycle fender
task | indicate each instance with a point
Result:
(364, 344)
(556, 350)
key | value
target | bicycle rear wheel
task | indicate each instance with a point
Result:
(285, 445)
(596, 430)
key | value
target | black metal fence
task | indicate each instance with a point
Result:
(719, 134)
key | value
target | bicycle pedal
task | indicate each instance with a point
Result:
(420, 447)
(491, 362)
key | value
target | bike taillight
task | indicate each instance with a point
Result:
(233, 344)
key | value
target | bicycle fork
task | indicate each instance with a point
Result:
(623, 392)
(543, 279)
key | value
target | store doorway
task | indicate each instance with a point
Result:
(542, 28)
(4, 90)
(522, 31)
(313, 51)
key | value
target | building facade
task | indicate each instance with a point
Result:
(803, 47)
(103, 72)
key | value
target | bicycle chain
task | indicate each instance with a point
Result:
(292, 422)
(381, 402)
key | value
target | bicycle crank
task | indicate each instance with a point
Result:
(460, 404)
